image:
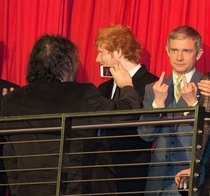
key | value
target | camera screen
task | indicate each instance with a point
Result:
(105, 71)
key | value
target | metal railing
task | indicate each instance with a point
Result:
(64, 133)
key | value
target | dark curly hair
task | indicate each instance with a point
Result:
(52, 57)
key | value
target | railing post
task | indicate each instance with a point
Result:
(196, 150)
(64, 148)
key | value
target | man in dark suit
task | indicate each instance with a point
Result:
(117, 44)
(5, 86)
(183, 49)
(51, 70)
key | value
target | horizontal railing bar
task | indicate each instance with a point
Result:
(30, 141)
(97, 126)
(99, 152)
(120, 179)
(96, 166)
(101, 137)
(128, 164)
(136, 135)
(30, 169)
(30, 155)
(131, 150)
(29, 183)
(98, 180)
(100, 113)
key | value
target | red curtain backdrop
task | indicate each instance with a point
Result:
(22, 22)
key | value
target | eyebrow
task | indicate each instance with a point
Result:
(181, 49)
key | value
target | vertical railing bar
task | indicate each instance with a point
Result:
(199, 117)
(64, 148)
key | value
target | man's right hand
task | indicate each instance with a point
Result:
(121, 76)
(160, 91)
(180, 176)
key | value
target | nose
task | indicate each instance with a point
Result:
(180, 56)
(98, 58)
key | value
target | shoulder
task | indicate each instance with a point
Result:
(144, 75)
(81, 87)
(198, 73)
(196, 76)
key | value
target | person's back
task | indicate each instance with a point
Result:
(42, 98)
(49, 93)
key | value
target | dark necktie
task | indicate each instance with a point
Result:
(116, 94)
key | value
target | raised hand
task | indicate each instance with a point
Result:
(189, 92)
(160, 91)
(121, 76)
(204, 87)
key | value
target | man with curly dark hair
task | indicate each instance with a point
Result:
(51, 71)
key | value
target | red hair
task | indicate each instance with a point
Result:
(118, 37)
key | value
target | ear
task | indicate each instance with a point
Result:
(167, 50)
(118, 54)
(199, 54)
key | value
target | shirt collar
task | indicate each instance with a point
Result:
(187, 75)
(134, 70)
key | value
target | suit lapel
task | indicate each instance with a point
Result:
(138, 76)
(106, 88)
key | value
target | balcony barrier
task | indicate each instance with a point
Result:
(59, 131)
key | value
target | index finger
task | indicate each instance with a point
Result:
(184, 80)
(115, 67)
(177, 179)
(4, 91)
(161, 77)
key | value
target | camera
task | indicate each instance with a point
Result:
(104, 71)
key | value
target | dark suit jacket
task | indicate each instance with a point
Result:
(141, 78)
(57, 97)
(3, 84)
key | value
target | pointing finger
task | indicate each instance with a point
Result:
(184, 80)
(161, 77)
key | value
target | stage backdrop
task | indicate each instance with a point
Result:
(22, 22)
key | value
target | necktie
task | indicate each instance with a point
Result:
(177, 89)
(116, 94)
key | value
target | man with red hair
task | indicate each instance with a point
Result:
(117, 44)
